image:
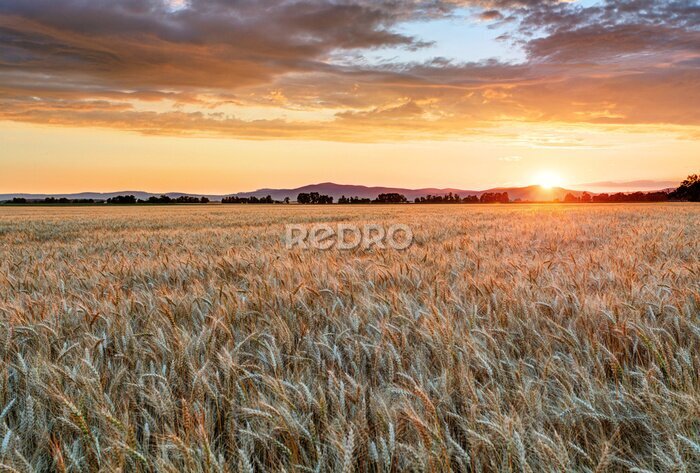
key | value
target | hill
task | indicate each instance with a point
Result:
(529, 193)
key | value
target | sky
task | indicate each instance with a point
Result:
(221, 96)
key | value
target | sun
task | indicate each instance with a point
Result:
(548, 179)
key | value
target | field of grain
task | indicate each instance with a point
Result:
(507, 338)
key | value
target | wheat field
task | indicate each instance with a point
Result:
(507, 338)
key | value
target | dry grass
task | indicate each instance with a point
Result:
(508, 338)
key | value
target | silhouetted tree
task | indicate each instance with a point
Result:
(248, 200)
(390, 198)
(494, 197)
(688, 190)
(446, 199)
(314, 198)
(122, 199)
(52, 201)
(162, 199)
(354, 200)
(631, 197)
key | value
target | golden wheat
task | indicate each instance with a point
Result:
(507, 338)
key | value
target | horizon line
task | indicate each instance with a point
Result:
(632, 186)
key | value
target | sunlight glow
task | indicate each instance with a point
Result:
(548, 179)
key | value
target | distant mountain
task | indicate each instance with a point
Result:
(529, 193)
(643, 185)
(104, 195)
(536, 193)
(338, 190)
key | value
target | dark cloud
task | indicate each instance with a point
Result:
(147, 44)
(614, 30)
(79, 62)
(616, 43)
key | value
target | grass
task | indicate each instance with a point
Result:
(508, 338)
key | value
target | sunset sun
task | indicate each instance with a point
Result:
(548, 179)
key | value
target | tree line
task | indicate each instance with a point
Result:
(689, 190)
(163, 199)
(618, 197)
(354, 200)
(388, 198)
(253, 200)
(118, 199)
(314, 198)
(51, 201)
(450, 198)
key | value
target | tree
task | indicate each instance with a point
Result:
(249, 200)
(571, 198)
(494, 197)
(391, 198)
(163, 199)
(358, 200)
(314, 198)
(446, 199)
(688, 190)
(585, 197)
(122, 199)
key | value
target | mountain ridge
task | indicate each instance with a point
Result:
(526, 193)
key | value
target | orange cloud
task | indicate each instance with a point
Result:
(198, 67)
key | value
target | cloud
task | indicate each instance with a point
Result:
(277, 69)
(491, 15)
